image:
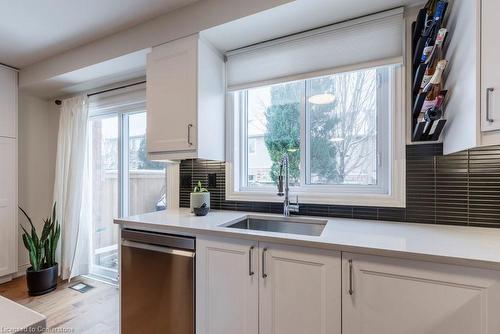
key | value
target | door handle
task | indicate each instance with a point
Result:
(250, 265)
(189, 134)
(488, 95)
(351, 291)
(264, 251)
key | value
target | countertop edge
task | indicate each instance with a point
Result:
(194, 231)
(37, 322)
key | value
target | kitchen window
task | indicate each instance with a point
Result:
(342, 127)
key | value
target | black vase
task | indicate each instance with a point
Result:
(43, 281)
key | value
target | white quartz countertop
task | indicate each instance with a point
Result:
(472, 246)
(15, 318)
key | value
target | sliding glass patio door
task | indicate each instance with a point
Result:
(123, 181)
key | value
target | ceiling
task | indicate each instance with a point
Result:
(33, 30)
(120, 69)
(294, 17)
(41, 35)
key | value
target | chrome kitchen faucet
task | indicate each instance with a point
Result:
(287, 207)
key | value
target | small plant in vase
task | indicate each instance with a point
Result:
(200, 200)
(42, 275)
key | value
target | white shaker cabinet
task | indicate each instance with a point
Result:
(8, 172)
(252, 287)
(227, 286)
(8, 103)
(8, 206)
(185, 100)
(300, 290)
(249, 288)
(393, 296)
(490, 65)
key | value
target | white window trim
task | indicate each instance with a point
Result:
(397, 180)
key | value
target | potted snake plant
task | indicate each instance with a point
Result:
(42, 275)
(200, 200)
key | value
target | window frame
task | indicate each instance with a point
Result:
(121, 104)
(122, 113)
(368, 195)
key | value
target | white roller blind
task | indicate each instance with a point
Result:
(372, 40)
(115, 100)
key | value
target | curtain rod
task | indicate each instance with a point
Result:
(59, 102)
(9, 67)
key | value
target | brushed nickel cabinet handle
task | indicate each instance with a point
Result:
(250, 265)
(264, 251)
(351, 291)
(189, 134)
(488, 95)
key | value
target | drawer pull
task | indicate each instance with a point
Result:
(264, 251)
(250, 265)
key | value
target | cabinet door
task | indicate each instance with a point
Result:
(172, 96)
(393, 296)
(8, 206)
(300, 290)
(490, 65)
(8, 103)
(227, 286)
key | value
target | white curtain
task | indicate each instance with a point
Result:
(69, 187)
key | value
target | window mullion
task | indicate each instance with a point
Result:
(243, 101)
(123, 169)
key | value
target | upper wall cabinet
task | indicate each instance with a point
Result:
(185, 101)
(8, 103)
(490, 66)
(473, 79)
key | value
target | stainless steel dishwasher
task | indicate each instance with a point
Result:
(157, 283)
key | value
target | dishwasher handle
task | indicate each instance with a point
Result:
(154, 248)
(159, 239)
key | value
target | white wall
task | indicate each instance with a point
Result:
(38, 126)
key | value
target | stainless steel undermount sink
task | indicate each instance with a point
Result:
(304, 226)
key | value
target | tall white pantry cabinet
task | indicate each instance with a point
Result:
(8, 172)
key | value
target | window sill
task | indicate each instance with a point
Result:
(379, 200)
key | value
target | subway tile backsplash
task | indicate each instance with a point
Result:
(458, 189)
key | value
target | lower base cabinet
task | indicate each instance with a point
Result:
(392, 296)
(299, 290)
(247, 287)
(250, 287)
(227, 286)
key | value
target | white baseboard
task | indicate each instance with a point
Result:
(5, 279)
(21, 270)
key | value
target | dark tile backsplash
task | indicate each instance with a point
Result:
(457, 189)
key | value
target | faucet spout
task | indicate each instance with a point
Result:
(284, 187)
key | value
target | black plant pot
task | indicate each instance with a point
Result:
(43, 281)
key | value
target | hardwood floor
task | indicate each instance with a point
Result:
(93, 312)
